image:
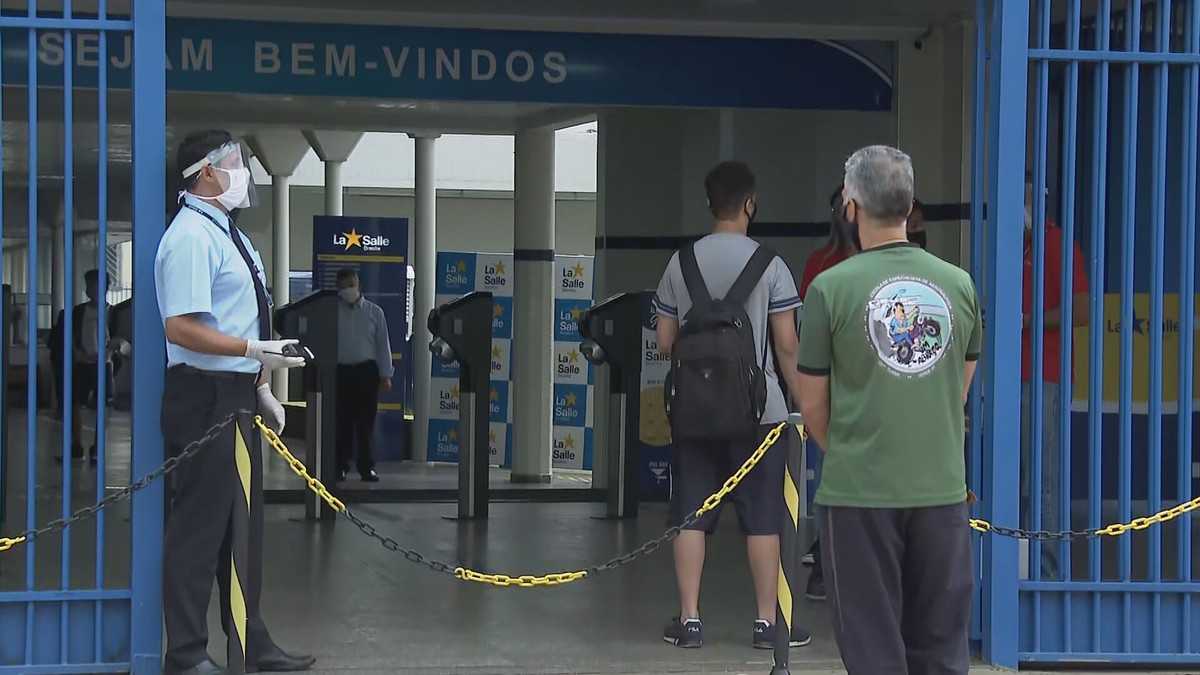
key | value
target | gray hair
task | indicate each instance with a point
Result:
(880, 179)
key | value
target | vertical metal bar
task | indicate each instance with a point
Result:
(1096, 321)
(31, 336)
(1133, 28)
(1157, 233)
(68, 207)
(978, 154)
(149, 206)
(102, 264)
(1066, 330)
(1010, 49)
(1037, 315)
(1187, 309)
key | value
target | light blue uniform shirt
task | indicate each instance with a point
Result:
(199, 271)
(363, 336)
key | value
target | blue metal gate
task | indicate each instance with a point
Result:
(1091, 110)
(86, 599)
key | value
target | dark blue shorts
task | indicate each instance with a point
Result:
(700, 468)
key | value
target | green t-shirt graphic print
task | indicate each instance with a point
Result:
(893, 327)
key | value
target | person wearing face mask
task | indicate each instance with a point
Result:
(364, 372)
(87, 350)
(843, 243)
(916, 224)
(217, 320)
(1052, 323)
(712, 266)
(888, 348)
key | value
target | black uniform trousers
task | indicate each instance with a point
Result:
(357, 406)
(199, 531)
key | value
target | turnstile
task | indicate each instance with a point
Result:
(462, 332)
(313, 320)
(612, 335)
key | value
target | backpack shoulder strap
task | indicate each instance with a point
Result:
(696, 288)
(740, 291)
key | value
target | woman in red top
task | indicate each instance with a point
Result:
(838, 248)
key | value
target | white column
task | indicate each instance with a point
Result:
(58, 256)
(333, 187)
(533, 305)
(46, 267)
(281, 250)
(280, 152)
(424, 261)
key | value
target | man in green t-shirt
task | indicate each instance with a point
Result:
(888, 347)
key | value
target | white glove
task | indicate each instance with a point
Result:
(270, 353)
(270, 408)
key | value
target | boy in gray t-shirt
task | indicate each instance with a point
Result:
(698, 469)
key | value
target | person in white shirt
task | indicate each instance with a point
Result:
(364, 372)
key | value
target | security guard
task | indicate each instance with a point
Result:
(216, 313)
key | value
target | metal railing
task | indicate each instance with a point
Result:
(56, 616)
(1094, 106)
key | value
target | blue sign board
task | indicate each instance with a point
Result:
(446, 64)
(377, 248)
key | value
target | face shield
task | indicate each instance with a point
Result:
(231, 165)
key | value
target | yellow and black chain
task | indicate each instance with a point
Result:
(124, 493)
(530, 581)
(527, 580)
(1114, 530)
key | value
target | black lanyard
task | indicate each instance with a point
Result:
(260, 293)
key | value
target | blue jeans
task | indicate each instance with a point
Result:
(818, 510)
(1051, 443)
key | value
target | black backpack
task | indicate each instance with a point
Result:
(716, 388)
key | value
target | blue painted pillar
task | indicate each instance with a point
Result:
(149, 358)
(1002, 342)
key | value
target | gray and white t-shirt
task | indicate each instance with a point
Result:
(721, 257)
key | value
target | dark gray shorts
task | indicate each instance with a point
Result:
(700, 468)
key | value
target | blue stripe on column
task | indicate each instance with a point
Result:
(534, 254)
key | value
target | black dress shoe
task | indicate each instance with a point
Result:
(369, 476)
(279, 661)
(208, 667)
(341, 475)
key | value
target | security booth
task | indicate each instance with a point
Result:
(313, 320)
(462, 333)
(6, 300)
(612, 334)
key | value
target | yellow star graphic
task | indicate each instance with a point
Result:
(499, 267)
(454, 391)
(353, 238)
(493, 395)
(492, 437)
(453, 435)
(573, 357)
(462, 265)
(576, 313)
(495, 351)
(571, 398)
(577, 270)
(569, 441)
(497, 311)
